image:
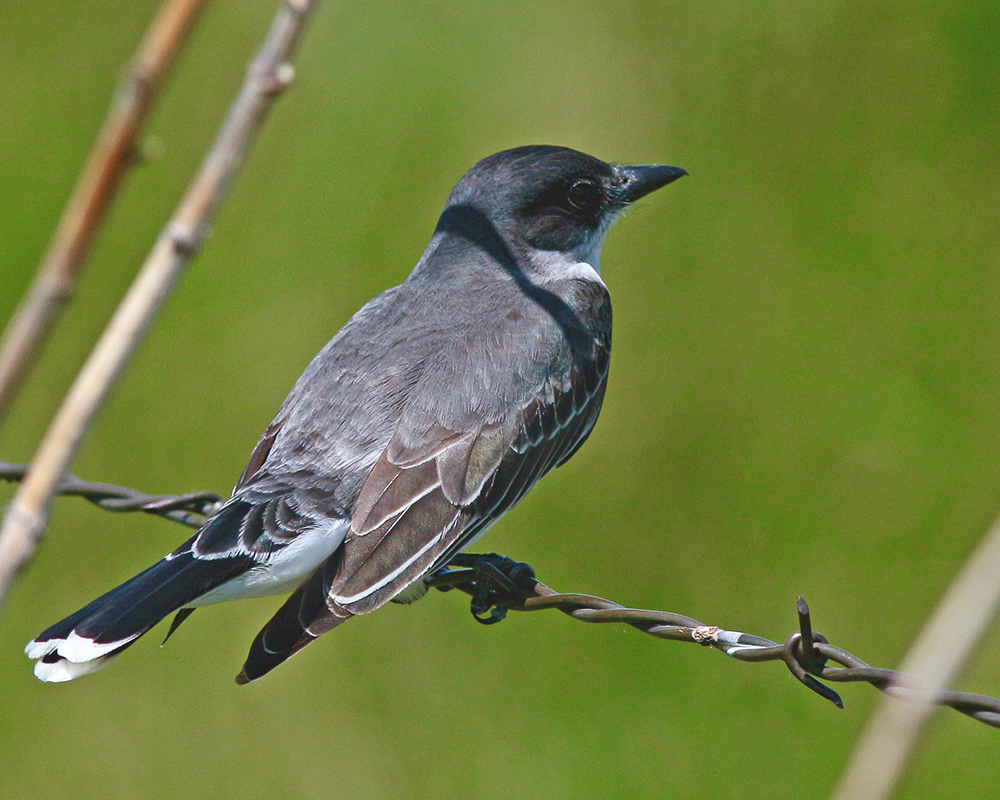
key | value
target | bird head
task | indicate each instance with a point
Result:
(553, 198)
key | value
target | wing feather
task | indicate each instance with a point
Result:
(419, 507)
(437, 486)
(389, 491)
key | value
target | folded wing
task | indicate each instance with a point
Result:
(431, 494)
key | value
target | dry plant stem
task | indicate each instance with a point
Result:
(112, 154)
(937, 656)
(268, 74)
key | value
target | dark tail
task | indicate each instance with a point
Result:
(91, 638)
(304, 616)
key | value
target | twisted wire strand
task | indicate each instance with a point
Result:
(498, 584)
(187, 509)
(804, 653)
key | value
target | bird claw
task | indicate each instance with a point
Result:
(497, 583)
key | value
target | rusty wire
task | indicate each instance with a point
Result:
(498, 584)
(804, 653)
(188, 509)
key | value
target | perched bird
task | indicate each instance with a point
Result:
(432, 412)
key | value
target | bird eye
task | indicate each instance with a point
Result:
(583, 195)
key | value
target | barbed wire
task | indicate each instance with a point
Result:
(498, 584)
(188, 509)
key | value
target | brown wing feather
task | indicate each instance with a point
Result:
(408, 514)
(410, 518)
(428, 496)
(261, 451)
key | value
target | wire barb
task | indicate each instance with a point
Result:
(805, 653)
(498, 584)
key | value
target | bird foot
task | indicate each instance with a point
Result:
(495, 582)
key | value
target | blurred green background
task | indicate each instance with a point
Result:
(804, 394)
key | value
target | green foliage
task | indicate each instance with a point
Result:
(804, 393)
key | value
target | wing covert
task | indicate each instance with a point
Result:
(444, 477)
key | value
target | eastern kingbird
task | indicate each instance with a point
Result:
(432, 412)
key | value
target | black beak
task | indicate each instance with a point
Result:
(639, 181)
